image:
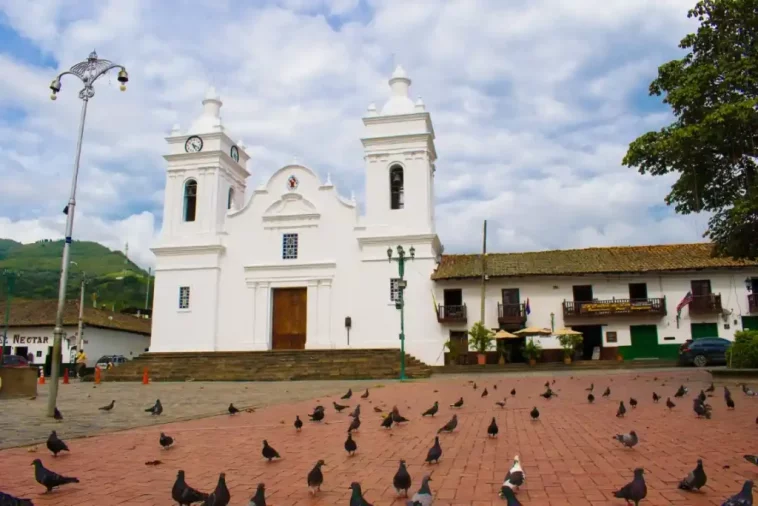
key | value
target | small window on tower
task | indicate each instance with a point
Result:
(289, 246)
(397, 190)
(190, 200)
(184, 297)
(230, 198)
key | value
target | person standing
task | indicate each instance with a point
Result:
(81, 363)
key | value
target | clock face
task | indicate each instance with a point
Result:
(193, 144)
(235, 154)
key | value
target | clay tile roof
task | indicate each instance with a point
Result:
(33, 313)
(627, 259)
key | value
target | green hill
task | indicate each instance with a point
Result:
(113, 279)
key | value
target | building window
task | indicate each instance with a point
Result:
(289, 246)
(184, 297)
(39, 354)
(230, 198)
(637, 291)
(190, 200)
(397, 191)
(394, 289)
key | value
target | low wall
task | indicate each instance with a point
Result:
(18, 382)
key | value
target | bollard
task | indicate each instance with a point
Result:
(41, 376)
(145, 379)
(97, 375)
(65, 376)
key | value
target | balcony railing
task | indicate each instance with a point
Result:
(706, 304)
(752, 302)
(451, 314)
(511, 314)
(614, 307)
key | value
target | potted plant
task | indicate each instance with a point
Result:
(481, 340)
(569, 342)
(533, 351)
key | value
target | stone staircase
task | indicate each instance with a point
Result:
(277, 365)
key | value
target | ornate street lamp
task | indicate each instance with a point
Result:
(88, 72)
(400, 302)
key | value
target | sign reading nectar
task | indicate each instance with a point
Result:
(292, 183)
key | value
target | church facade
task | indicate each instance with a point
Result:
(295, 265)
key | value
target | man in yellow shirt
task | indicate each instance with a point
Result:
(81, 362)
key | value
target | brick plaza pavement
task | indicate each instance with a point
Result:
(569, 456)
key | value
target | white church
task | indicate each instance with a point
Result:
(295, 265)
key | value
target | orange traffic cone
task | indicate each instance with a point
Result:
(97, 375)
(41, 376)
(65, 376)
(145, 379)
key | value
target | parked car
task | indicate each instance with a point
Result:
(103, 361)
(704, 351)
(14, 361)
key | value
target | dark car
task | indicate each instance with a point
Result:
(704, 351)
(14, 361)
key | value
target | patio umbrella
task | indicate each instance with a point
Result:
(567, 332)
(502, 334)
(534, 331)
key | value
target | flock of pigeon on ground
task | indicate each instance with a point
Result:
(634, 492)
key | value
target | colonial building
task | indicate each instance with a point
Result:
(31, 324)
(623, 299)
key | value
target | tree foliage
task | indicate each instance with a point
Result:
(713, 93)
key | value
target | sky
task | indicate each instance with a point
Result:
(534, 103)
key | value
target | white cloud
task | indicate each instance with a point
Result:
(534, 103)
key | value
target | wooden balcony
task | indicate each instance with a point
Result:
(614, 307)
(752, 302)
(511, 314)
(706, 304)
(451, 314)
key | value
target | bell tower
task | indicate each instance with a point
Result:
(400, 154)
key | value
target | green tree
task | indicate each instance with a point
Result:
(713, 93)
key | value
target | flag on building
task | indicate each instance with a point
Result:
(528, 307)
(684, 302)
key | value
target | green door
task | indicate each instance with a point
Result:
(644, 342)
(750, 323)
(699, 330)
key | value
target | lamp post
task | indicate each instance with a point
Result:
(88, 72)
(400, 302)
(10, 277)
(80, 337)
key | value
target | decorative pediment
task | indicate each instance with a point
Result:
(292, 206)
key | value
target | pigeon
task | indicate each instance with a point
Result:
(354, 425)
(500, 403)
(699, 407)
(515, 477)
(9, 500)
(259, 499)
(629, 440)
(681, 391)
(402, 480)
(591, 387)
(507, 494)
(534, 413)
(607, 392)
(396, 416)
(268, 452)
(449, 426)
(109, 407)
(435, 452)
(298, 423)
(701, 396)
(458, 403)
(183, 493)
(494, 387)
(484, 392)
(220, 496)
(492, 429)
(55, 445)
(547, 384)
(49, 479)
(710, 388)
(356, 411)
(317, 415)
(634, 491)
(656, 397)
(432, 411)
(232, 410)
(57, 415)
(356, 498)
(696, 479)
(548, 393)
(350, 445)
(387, 421)
(727, 392)
(377, 409)
(513, 392)
(633, 402)
(316, 477)
(424, 495)
(747, 391)
(744, 498)
(339, 407)
(590, 398)
(364, 395)
(753, 459)
(621, 411)
(474, 385)
(155, 409)
(165, 441)
(670, 404)
(730, 402)
(348, 394)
